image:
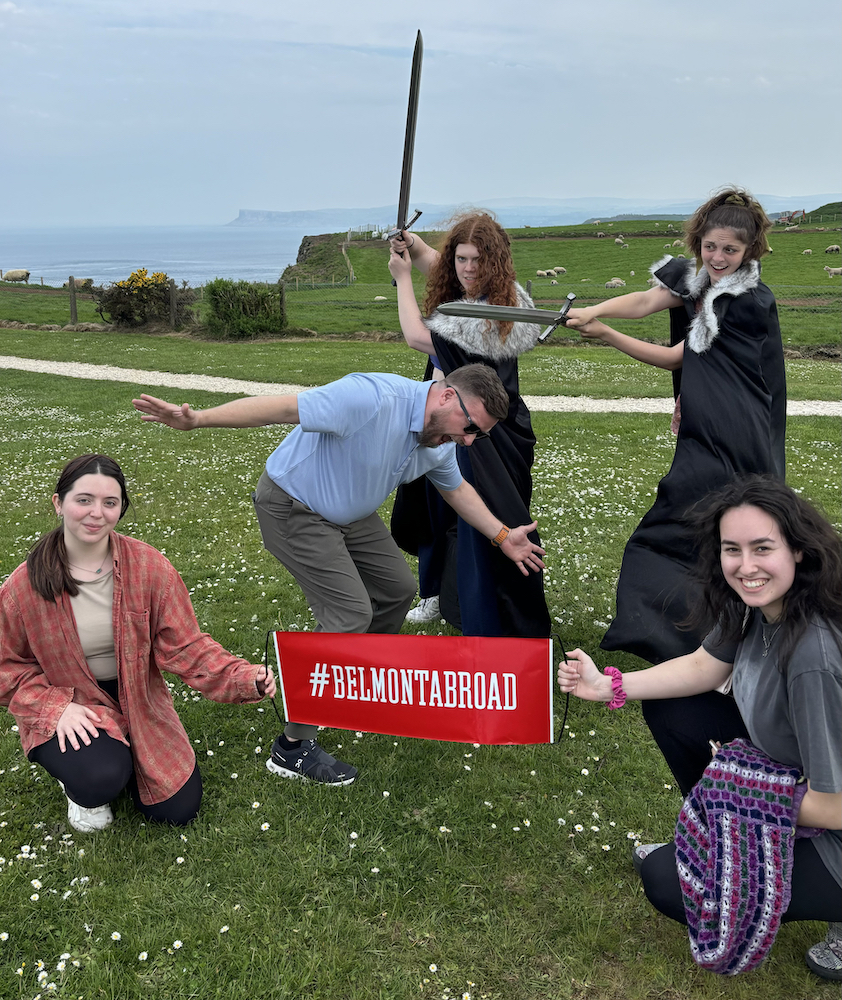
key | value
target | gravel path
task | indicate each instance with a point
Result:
(215, 383)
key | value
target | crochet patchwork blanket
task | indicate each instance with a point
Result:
(734, 843)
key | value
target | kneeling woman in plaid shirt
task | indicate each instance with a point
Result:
(87, 625)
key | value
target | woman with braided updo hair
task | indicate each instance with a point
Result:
(726, 357)
(478, 592)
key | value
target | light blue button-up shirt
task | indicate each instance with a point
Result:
(357, 440)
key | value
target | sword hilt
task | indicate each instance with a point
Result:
(559, 319)
(394, 233)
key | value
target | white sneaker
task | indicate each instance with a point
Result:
(426, 610)
(88, 820)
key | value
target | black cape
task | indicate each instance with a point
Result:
(481, 591)
(733, 421)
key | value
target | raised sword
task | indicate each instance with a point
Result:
(511, 314)
(409, 145)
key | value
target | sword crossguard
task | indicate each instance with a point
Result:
(559, 320)
(394, 233)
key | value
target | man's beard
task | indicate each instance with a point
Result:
(431, 432)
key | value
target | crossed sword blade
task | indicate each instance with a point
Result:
(510, 314)
(409, 143)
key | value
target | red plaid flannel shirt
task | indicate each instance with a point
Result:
(43, 668)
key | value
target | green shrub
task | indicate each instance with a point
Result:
(143, 298)
(240, 309)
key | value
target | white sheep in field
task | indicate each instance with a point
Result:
(585, 279)
(791, 229)
(668, 246)
(619, 240)
(821, 229)
(559, 270)
(541, 274)
(600, 236)
(680, 256)
(553, 282)
(380, 298)
(615, 283)
(833, 272)
(17, 274)
(833, 248)
(631, 273)
(651, 282)
(678, 243)
(806, 253)
(597, 222)
(670, 226)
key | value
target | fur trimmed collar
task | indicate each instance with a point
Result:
(479, 336)
(705, 326)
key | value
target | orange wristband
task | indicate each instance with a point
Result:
(501, 536)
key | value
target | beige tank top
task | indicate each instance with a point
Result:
(92, 608)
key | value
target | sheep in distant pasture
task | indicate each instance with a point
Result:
(806, 253)
(791, 229)
(597, 222)
(833, 248)
(670, 226)
(585, 279)
(615, 283)
(678, 243)
(541, 274)
(16, 274)
(652, 282)
(82, 284)
(680, 256)
(625, 246)
(668, 246)
(380, 298)
(631, 273)
(559, 270)
(599, 236)
(821, 229)
(619, 240)
(833, 272)
(553, 282)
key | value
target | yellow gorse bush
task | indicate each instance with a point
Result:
(140, 280)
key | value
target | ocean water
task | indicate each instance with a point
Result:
(194, 254)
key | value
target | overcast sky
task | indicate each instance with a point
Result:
(185, 111)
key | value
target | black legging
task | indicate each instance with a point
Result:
(683, 726)
(815, 893)
(96, 774)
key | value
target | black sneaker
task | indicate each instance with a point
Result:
(310, 762)
(825, 958)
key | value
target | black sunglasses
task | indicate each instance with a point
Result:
(470, 427)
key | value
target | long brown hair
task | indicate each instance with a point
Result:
(46, 563)
(496, 278)
(731, 208)
(816, 591)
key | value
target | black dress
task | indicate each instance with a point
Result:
(733, 422)
(481, 591)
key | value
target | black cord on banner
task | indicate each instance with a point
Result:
(567, 699)
(266, 675)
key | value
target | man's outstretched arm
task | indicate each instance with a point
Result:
(250, 411)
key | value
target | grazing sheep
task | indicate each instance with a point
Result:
(631, 273)
(821, 229)
(668, 246)
(585, 279)
(619, 240)
(678, 243)
(806, 253)
(625, 246)
(615, 283)
(599, 236)
(82, 284)
(560, 270)
(833, 272)
(680, 256)
(17, 274)
(597, 222)
(791, 229)
(833, 248)
(541, 274)
(553, 282)
(670, 226)
(651, 282)
(380, 298)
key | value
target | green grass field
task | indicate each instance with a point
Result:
(489, 872)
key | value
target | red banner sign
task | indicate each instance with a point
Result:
(466, 689)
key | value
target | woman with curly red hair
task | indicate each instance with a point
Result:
(478, 592)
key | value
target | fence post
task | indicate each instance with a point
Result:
(71, 284)
(529, 288)
(172, 303)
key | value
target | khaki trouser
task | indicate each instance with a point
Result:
(353, 575)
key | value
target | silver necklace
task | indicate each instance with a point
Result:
(86, 570)
(767, 641)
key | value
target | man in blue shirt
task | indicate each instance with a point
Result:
(355, 441)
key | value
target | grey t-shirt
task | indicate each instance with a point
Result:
(794, 718)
